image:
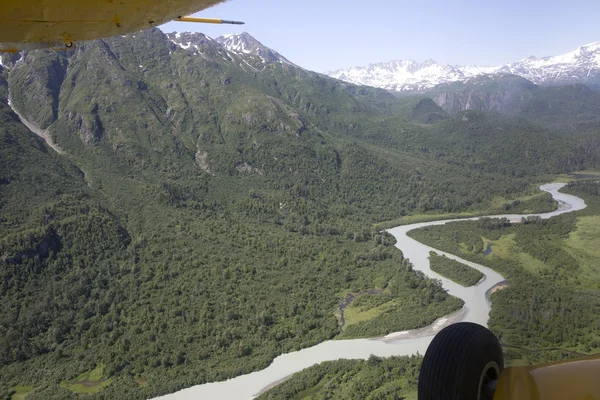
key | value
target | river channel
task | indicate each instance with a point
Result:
(476, 309)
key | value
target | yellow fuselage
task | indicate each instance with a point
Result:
(565, 380)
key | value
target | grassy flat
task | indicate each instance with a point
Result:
(505, 248)
(530, 263)
(582, 244)
(21, 392)
(501, 247)
(141, 382)
(354, 315)
(89, 382)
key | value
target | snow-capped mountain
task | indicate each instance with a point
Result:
(246, 44)
(243, 48)
(579, 66)
(405, 75)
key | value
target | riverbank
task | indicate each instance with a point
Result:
(430, 330)
(401, 343)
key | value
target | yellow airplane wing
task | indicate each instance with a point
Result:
(26, 24)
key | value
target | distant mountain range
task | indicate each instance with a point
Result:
(579, 66)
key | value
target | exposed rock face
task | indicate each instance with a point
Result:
(247, 168)
(201, 158)
(35, 80)
(568, 108)
(89, 127)
(268, 114)
(504, 94)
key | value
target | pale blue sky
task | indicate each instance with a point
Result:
(324, 35)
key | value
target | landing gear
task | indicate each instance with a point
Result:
(463, 362)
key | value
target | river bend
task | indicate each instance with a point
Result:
(476, 310)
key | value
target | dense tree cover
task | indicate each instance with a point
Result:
(510, 147)
(591, 188)
(454, 270)
(536, 204)
(178, 316)
(159, 270)
(205, 217)
(551, 306)
(375, 378)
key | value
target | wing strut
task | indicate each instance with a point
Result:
(208, 20)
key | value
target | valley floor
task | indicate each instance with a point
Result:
(395, 344)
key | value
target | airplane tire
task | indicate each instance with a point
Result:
(459, 363)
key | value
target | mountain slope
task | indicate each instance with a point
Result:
(569, 108)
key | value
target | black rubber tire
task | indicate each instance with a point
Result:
(455, 361)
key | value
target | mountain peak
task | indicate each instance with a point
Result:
(591, 46)
(185, 40)
(428, 63)
(242, 43)
(246, 44)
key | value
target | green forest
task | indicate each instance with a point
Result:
(373, 379)
(203, 217)
(454, 270)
